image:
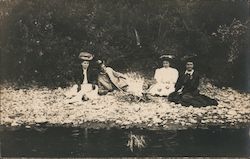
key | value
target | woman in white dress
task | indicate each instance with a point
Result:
(165, 78)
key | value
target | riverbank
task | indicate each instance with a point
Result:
(35, 106)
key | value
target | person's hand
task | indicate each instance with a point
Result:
(179, 91)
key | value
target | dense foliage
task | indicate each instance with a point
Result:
(41, 39)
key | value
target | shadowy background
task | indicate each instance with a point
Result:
(40, 39)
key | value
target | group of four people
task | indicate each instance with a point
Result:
(95, 80)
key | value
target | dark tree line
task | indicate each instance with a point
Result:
(41, 39)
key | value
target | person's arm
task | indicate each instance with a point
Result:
(196, 81)
(116, 74)
(179, 83)
(93, 77)
(175, 76)
(157, 76)
(78, 78)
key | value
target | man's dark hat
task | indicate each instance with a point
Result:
(86, 56)
(189, 58)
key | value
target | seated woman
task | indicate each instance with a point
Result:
(186, 89)
(109, 80)
(86, 80)
(165, 78)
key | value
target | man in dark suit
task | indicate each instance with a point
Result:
(186, 89)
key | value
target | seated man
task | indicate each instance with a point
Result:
(109, 80)
(186, 89)
(165, 78)
(86, 80)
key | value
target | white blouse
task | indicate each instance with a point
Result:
(166, 75)
(85, 76)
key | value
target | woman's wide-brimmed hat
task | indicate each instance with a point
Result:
(86, 56)
(167, 57)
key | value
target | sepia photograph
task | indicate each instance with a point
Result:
(124, 78)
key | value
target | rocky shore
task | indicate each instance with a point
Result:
(36, 106)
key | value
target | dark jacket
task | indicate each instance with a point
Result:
(92, 73)
(189, 83)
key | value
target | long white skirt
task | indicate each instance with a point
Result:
(86, 90)
(161, 89)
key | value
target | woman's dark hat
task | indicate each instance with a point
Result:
(86, 56)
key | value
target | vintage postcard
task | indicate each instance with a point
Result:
(124, 78)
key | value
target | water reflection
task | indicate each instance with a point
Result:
(136, 141)
(82, 142)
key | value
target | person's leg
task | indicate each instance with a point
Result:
(187, 99)
(207, 100)
(197, 101)
(174, 97)
(104, 84)
(78, 97)
(91, 93)
(201, 101)
(102, 92)
(82, 95)
(167, 91)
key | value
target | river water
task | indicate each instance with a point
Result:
(83, 142)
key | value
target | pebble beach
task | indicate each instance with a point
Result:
(35, 106)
